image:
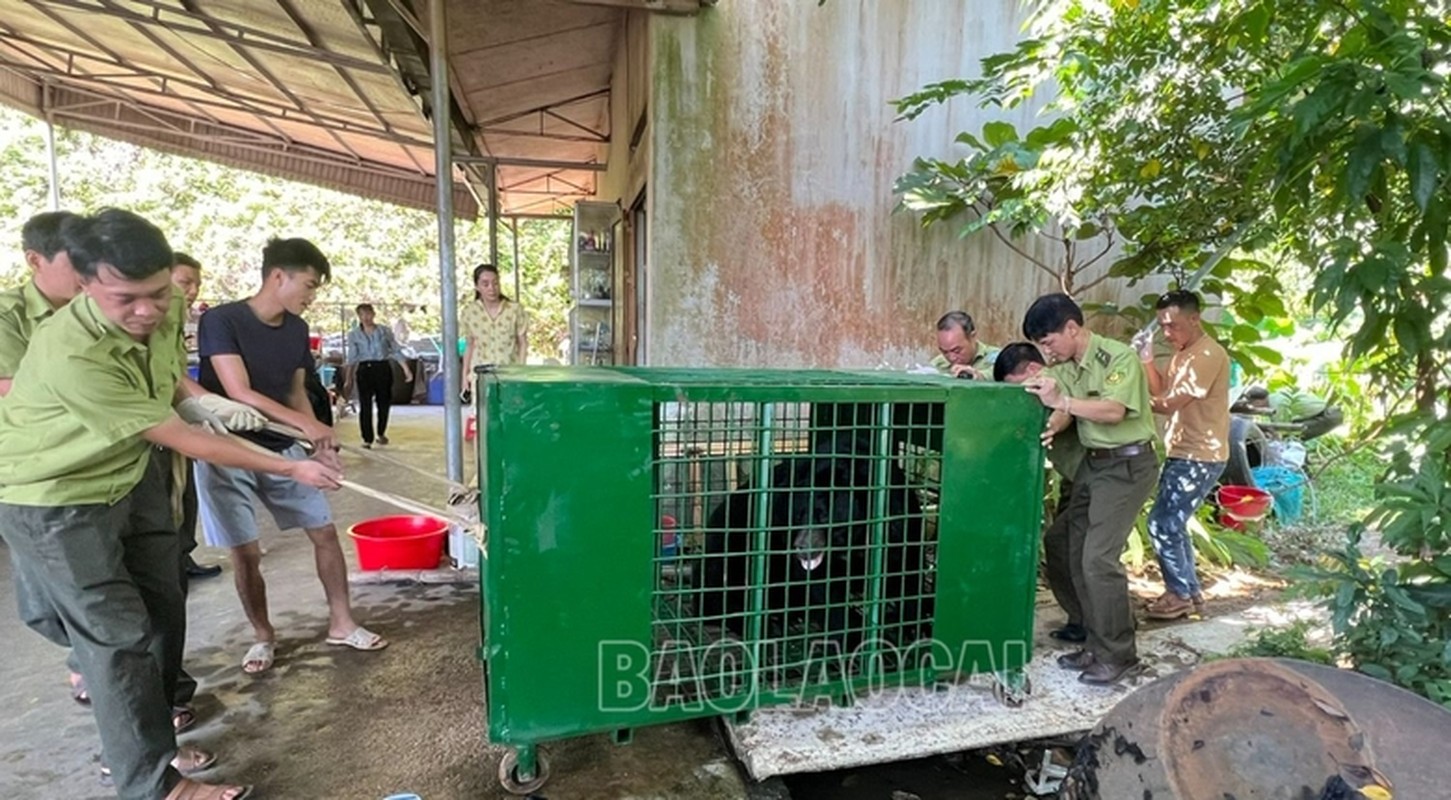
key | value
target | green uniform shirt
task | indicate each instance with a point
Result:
(69, 429)
(1110, 370)
(21, 309)
(1066, 452)
(982, 362)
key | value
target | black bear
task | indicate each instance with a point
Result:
(817, 557)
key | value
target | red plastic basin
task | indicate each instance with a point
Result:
(406, 541)
(1245, 503)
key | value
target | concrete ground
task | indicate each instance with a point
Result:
(328, 722)
(332, 723)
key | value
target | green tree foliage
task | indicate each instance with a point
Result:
(1317, 131)
(380, 253)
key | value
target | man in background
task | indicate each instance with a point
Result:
(186, 276)
(53, 283)
(1193, 391)
(960, 354)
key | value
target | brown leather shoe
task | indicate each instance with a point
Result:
(1170, 606)
(1102, 673)
(1077, 660)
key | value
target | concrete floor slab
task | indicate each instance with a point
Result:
(328, 722)
(896, 724)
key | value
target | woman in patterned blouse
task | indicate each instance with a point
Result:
(495, 327)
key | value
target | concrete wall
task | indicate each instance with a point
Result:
(774, 150)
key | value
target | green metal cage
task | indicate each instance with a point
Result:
(666, 544)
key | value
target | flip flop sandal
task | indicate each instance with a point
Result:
(183, 719)
(191, 790)
(360, 639)
(188, 761)
(261, 653)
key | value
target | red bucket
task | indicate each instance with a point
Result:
(406, 541)
(1239, 504)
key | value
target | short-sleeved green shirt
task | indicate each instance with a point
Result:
(982, 362)
(70, 427)
(1110, 370)
(1066, 452)
(21, 310)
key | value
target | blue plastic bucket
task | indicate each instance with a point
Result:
(1287, 486)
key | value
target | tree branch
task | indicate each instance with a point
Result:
(1096, 281)
(1020, 251)
(1105, 251)
(1362, 441)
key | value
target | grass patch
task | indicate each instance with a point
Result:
(1288, 642)
(1345, 490)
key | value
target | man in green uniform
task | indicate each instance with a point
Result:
(960, 354)
(1100, 386)
(52, 284)
(1016, 364)
(84, 506)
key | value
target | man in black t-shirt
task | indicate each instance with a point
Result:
(256, 352)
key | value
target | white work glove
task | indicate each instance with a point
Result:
(219, 415)
(194, 413)
(1143, 342)
(236, 416)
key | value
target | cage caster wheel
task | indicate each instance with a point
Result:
(509, 774)
(1013, 692)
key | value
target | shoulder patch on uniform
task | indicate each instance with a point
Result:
(1114, 378)
(1104, 359)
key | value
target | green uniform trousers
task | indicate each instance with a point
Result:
(110, 573)
(38, 615)
(1107, 496)
(1057, 564)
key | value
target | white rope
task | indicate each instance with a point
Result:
(474, 528)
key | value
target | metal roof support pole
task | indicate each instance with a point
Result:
(494, 218)
(45, 101)
(54, 171)
(518, 294)
(453, 438)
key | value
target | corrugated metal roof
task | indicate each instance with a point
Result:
(329, 91)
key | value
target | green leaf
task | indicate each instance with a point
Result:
(1365, 157)
(1375, 671)
(970, 140)
(1424, 173)
(998, 134)
(1256, 22)
(1433, 595)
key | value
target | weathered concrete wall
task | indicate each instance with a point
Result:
(773, 241)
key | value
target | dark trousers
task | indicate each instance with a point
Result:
(110, 572)
(375, 384)
(186, 530)
(41, 616)
(1056, 561)
(1107, 496)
